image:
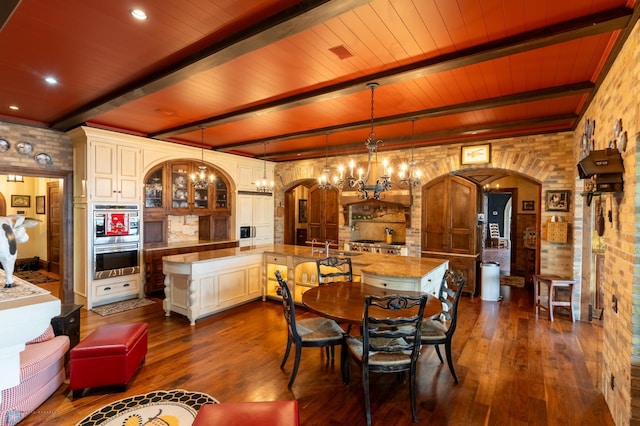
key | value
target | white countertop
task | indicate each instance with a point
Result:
(379, 264)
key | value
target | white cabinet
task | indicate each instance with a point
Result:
(299, 273)
(248, 175)
(256, 211)
(200, 288)
(114, 173)
(428, 283)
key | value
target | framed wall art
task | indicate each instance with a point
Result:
(40, 208)
(21, 201)
(528, 205)
(302, 211)
(558, 201)
(475, 154)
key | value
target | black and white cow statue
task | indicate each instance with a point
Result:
(13, 232)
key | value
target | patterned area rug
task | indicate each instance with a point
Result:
(172, 408)
(512, 280)
(126, 305)
(34, 277)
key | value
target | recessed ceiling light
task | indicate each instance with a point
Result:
(139, 14)
(14, 107)
(51, 80)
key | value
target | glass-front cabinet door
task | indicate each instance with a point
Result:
(222, 200)
(154, 189)
(180, 186)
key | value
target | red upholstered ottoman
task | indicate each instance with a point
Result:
(108, 356)
(264, 413)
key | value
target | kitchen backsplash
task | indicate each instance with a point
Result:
(182, 228)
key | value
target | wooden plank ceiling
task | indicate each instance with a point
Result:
(290, 77)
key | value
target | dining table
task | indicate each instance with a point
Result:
(344, 301)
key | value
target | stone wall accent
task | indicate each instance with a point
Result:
(56, 144)
(617, 98)
(547, 159)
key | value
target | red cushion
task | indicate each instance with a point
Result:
(264, 413)
(111, 339)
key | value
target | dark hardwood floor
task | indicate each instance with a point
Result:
(514, 369)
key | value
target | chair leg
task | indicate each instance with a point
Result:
(447, 348)
(286, 353)
(438, 352)
(296, 364)
(367, 403)
(412, 393)
(345, 363)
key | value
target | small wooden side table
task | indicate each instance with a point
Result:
(553, 282)
(68, 324)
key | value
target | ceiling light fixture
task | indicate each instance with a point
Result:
(362, 183)
(200, 180)
(323, 180)
(139, 14)
(14, 107)
(409, 174)
(261, 186)
(51, 80)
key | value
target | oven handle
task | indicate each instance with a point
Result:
(109, 248)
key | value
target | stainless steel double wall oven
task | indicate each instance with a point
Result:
(116, 240)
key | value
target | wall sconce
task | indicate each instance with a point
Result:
(15, 178)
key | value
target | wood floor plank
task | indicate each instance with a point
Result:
(514, 369)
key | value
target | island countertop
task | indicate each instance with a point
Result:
(378, 264)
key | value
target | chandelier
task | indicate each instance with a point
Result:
(199, 180)
(261, 186)
(323, 180)
(409, 174)
(362, 183)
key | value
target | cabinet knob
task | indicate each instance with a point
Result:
(384, 284)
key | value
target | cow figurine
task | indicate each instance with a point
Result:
(13, 232)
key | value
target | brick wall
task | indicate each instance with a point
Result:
(617, 98)
(546, 159)
(56, 144)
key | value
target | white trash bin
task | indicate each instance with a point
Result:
(490, 281)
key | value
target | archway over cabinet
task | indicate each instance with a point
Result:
(169, 191)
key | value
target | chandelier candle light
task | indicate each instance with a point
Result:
(261, 186)
(199, 180)
(409, 174)
(362, 183)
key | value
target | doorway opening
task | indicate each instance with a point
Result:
(500, 221)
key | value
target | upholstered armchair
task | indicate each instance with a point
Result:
(41, 373)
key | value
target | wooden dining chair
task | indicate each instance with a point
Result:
(308, 332)
(333, 269)
(439, 329)
(387, 345)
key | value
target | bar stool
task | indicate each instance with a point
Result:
(553, 283)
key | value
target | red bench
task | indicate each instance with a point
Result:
(108, 356)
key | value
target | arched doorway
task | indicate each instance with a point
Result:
(310, 213)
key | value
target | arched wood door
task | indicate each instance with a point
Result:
(450, 225)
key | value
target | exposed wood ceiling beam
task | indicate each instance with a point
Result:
(434, 138)
(566, 31)
(7, 7)
(295, 19)
(516, 98)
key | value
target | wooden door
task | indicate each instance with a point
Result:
(323, 214)
(53, 211)
(449, 215)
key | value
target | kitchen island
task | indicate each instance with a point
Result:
(203, 283)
